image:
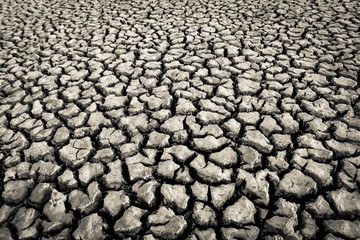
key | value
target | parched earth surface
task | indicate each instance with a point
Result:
(195, 119)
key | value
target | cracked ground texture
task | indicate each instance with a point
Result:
(195, 119)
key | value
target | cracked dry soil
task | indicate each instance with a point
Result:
(165, 119)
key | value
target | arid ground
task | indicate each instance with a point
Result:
(189, 120)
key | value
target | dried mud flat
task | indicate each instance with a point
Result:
(191, 119)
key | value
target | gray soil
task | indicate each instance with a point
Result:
(164, 119)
